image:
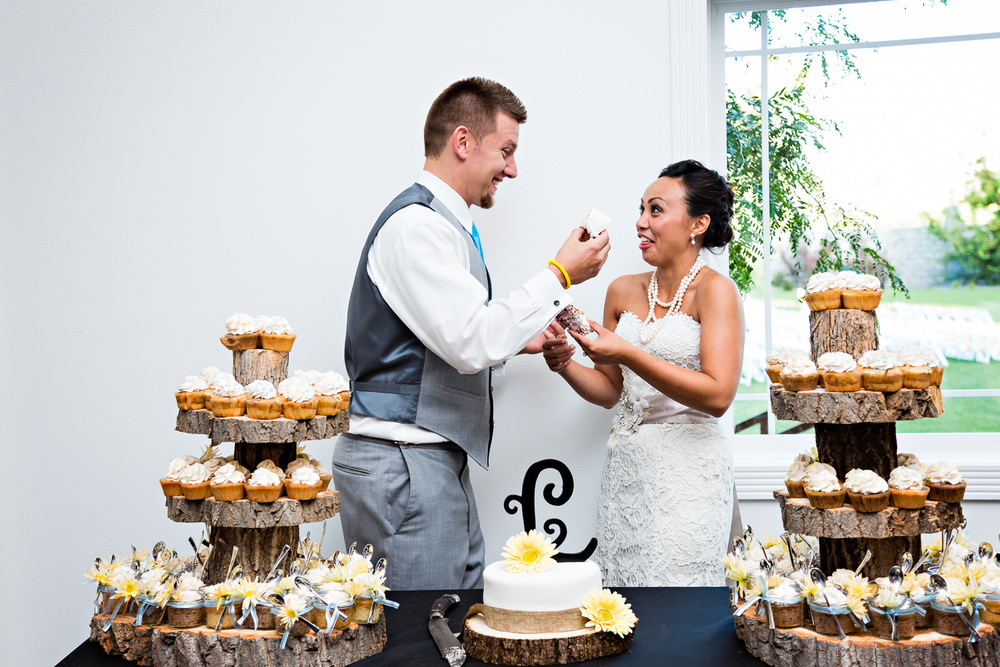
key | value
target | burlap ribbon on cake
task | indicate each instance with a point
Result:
(529, 622)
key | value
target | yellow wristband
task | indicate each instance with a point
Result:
(559, 266)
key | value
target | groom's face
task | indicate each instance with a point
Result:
(491, 160)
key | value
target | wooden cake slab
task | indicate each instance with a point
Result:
(163, 646)
(245, 429)
(802, 647)
(798, 516)
(508, 648)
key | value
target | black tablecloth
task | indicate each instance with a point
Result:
(677, 627)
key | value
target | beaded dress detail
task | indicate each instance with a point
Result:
(666, 500)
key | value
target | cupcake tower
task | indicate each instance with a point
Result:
(248, 534)
(855, 434)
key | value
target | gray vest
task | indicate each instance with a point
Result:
(394, 376)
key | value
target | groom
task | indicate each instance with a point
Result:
(424, 335)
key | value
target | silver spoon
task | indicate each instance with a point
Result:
(896, 577)
(864, 561)
(906, 562)
(787, 539)
(158, 549)
(281, 556)
(820, 580)
(985, 551)
(941, 586)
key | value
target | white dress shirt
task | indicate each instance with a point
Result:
(420, 264)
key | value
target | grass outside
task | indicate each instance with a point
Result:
(961, 415)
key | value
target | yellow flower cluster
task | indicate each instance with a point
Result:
(529, 552)
(608, 612)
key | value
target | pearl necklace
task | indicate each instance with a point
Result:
(648, 333)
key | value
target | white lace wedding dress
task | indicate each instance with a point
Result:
(666, 503)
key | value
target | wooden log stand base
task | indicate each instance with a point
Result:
(798, 516)
(855, 407)
(245, 429)
(802, 647)
(162, 646)
(245, 514)
(507, 648)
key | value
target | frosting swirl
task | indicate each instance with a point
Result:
(229, 388)
(296, 389)
(799, 366)
(192, 383)
(261, 390)
(879, 360)
(208, 373)
(241, 323)
(305, 475)
(175, 468)
(276, 325)
(330, 383)
(194, 474)
(263, 477)
(836, 362)
(944, 472)
(821, 282)
(228, 474)
(906, 478)
(797, 471)
(822, 480)
(859, 281)
(865, 481)
(219, 379)
(908, 355)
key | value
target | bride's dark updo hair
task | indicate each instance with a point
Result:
(705, 193)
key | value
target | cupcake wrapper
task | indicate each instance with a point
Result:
(277, 342)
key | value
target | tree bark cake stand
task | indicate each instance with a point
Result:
(858, 430)
(510, 648)
(260, 530)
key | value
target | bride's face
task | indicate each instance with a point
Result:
(664, 226)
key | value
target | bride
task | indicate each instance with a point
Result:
(669, 356)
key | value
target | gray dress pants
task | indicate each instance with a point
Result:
(414, 504)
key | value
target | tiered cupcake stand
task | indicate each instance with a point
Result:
(260, 530)
(858, 430)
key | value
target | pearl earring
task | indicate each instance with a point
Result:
(692, 238)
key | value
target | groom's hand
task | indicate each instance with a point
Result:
(557, 349)
(583, 259)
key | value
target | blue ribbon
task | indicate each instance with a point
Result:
(113, 613)
(337, 615)
(763, 603)
(252, 613)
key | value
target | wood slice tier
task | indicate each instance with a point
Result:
(250, 365)
(842, 330)
(245, 514)
(244, 429)
(162, 646)
(855, 407)
(802, 647)
(506, 648)
(798, 516)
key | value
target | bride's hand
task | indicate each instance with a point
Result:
(607, 348)
(557, 349)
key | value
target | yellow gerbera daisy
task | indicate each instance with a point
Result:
(529, 552)
(608, 612)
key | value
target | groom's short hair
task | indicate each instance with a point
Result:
(474, 103)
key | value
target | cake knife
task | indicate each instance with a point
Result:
(451, 649)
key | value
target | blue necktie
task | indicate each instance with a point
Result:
(479, 244)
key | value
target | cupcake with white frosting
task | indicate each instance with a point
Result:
(241, 332)
(880, 371)
(799, 375)
(262, 400)
(228, 483)
(945, 482)
(906, 488)
(299, 398)
(795, 479)
(839, 372)
(861, 291)
(913, 362)
(332, 393)
(195, 482)
(229, 398)
(303, 484)
(171, 482)
(263, 486)
(937, 370)
(823, 291)
(276, 334)
(778, 358)
(867, 490)
(824, 490)
(191, 393)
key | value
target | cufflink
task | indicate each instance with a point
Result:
(555, 303)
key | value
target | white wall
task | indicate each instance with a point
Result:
(168, 164)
